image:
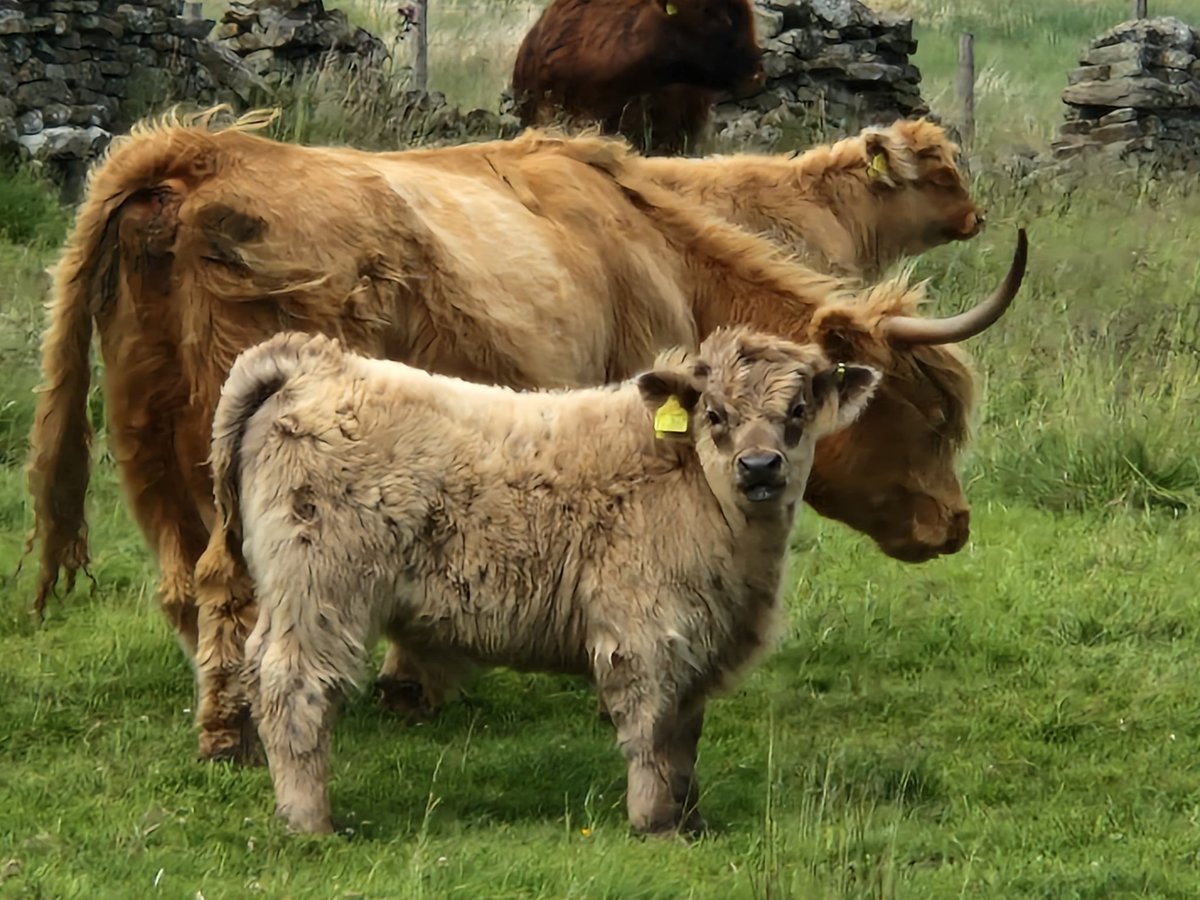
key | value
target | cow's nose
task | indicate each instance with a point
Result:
(758, 467)
(959, 534)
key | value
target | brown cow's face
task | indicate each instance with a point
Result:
(707, 43)
(756, 420)
(891, 475)
(923, 194)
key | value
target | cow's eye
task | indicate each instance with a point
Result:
(797, 411)
(714, 417)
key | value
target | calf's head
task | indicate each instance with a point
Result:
(705, 43)
(753, 406)
(911, 167)
(891, 474)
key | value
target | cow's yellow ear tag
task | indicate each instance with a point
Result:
(671, 416)
(879, 166)
(671, 9)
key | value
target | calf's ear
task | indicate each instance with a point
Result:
(852, 384)
(672, 395)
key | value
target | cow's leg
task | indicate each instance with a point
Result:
(177, 589)
(416, 682)
(685, 787)
(143, 443)
(226, 615)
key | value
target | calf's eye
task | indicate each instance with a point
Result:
(797, 411)
(714, 417)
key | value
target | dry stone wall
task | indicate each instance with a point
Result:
(835, 62)
(1136, 97)
(278, 39)
(74, 71)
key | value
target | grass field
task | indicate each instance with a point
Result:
(1016, 721)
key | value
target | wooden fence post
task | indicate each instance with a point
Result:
(966, 86)
(421, 51)
(1139, 9)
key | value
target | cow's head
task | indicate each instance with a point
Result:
(754, 406)
(704, 43)
(912, 172)
(892, 473)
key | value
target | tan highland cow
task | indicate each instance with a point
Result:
(852, 208)
(635, 534)
(509, 262)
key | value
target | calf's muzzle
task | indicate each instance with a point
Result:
(760, 475)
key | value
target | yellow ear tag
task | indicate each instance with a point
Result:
(670, 417)
(879, 166)
(841, 372)
(671, 9)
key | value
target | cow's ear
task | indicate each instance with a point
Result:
(672, 395)
(881, 160)
(852, 383)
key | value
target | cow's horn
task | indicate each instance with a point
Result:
(916, 330)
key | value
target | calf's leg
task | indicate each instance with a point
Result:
(641, 715)
(294, 709)
(681, 751)
(303, 652)
(416, 682)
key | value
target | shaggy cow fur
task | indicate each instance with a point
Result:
(647, 69)
(543, 531)
(854, 207)
(509, 262)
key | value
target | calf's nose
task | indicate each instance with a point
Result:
(759, 466)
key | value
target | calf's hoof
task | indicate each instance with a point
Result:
(405, 698)
(693, 826)
(305, 821)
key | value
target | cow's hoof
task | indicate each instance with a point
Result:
(403, 697)
(239, 746)
(693, 825)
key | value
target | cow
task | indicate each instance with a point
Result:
(853, 208)
(508, 262)
(648, 69)
(635, 534)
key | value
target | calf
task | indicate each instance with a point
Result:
(634, 533)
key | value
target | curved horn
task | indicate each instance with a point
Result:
(915, 330)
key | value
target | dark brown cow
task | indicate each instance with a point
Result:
(647, 69)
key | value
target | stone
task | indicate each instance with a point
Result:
(12, 21)
(1146, 93)
(1120, 131)
(36, 94)
(65, 141)
(768, 23)
(1117, 116)
(55, 114)
(30, 122)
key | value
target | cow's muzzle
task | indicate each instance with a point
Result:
(760, 476)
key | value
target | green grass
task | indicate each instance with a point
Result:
(1016, 721)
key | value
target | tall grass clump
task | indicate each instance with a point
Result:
(1092, 379)
(29, 209)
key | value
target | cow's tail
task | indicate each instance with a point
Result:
(130, 198)
(224, 588)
